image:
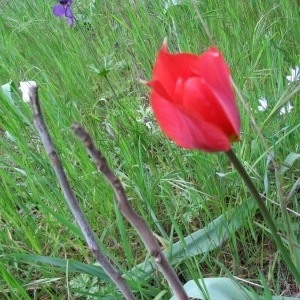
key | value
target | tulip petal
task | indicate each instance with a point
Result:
(186, 130)
(193, 100)
(159, 88)
(172, 66)
(211, 66)
(199, 100)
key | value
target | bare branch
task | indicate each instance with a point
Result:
(89, 235)
(135, 220)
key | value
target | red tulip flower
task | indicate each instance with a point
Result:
(193, 100)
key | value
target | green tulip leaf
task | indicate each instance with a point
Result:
(216, 289)
(221, 288)
(203, 240)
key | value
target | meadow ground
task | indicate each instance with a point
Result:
(90, 73)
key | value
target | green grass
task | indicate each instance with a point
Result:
(176, 191)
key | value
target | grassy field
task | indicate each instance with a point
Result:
(42, 252)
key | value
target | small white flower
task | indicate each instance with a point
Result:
(295, 75)
(25, 89)
(263, 104)
(286, 109)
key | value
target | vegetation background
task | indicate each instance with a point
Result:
(42, 253)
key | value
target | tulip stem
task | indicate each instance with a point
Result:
(267, 217)
(132, 217)
(72, 201)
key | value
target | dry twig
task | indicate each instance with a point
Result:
(88, 233)
(135, 220)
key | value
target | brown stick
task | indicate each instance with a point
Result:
(71, 198)
(135, 220)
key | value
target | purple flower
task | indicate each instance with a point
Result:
(63, 9)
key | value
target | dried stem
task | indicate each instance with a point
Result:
(71, 199)
(135, 220)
